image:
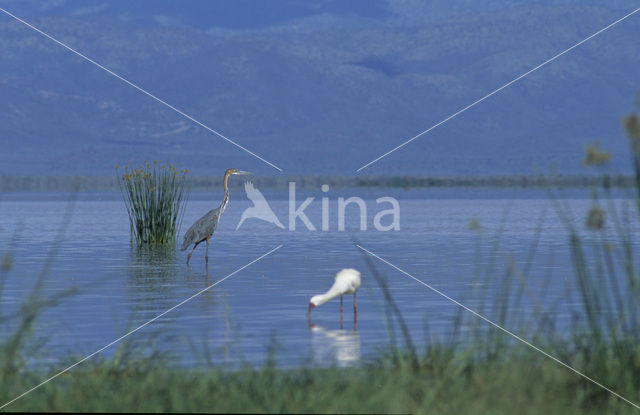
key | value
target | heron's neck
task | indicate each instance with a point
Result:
(225, 198)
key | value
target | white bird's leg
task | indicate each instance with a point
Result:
(341, 313)
(355, 313)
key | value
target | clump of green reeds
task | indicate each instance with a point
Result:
(155, 197)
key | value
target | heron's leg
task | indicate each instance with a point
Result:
(191, 253)
(206, 255)
(355, 304)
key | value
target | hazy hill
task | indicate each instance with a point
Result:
(315, 90)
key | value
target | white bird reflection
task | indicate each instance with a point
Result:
(341, 346)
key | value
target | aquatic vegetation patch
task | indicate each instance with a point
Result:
(155, 197)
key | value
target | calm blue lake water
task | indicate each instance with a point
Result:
(235, 321)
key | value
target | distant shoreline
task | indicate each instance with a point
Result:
(80, 183)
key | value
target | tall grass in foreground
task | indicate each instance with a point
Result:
(605, 264)
(155, 197)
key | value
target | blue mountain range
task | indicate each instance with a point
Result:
(315, 87)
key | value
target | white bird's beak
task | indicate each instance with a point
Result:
(243, 173)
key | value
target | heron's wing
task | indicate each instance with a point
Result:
(201, 229)
(189, 237)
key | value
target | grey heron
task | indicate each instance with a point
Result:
(203, 228)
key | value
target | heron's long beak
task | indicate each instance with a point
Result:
(243, 173)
